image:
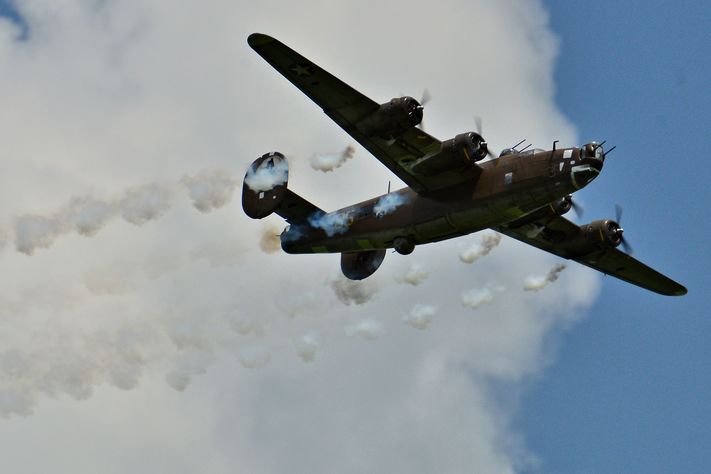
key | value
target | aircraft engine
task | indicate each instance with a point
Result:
(360, 265)
(393, 118)
(265, 185)
(598, 235)
(457, 153)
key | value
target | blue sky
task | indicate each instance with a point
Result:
(630, 390)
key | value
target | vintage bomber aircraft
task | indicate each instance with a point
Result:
(450, 192)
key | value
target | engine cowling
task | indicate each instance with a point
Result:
(598, 235)
(360, 265)
(392, 119)
(458, 152)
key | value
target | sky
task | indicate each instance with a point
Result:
(139, 308)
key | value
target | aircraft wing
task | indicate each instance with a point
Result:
(346, 106)
(551, 233)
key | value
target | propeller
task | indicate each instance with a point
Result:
(579, 210)
(483, 144)
(426, 97)
(620, 231)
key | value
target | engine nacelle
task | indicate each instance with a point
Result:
(265, 185)
(392, 119)
(598, 235)
(360, 265)
(458, 152)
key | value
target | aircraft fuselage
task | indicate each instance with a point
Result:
(508, 188)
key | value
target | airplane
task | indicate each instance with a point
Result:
(451, 190)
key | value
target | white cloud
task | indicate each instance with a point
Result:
(106, 96)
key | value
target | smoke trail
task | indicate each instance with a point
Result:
(538, 282)
(33, 232)
(414, 276)
(307, 347)
(353, 291)
(268, 175)
(270, 240)
(477, 297)
(333, 223)
(209, 189)
(388, 204)
(87, 215)
(145, 203)
(369, 329)
(420, 316)
(478, 250)
(330, 161)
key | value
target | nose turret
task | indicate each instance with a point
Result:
(592, 158)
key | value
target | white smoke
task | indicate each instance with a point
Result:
(369, 329)
(356, 292)
(268, 175)
(87, 215)
(388, 203)
(330, 161)
(270, 240)
(210, 189)
(480, 296)
(480, 249)
(420, 316)
(145, 203)
(538, 282)
(333, 223)
(307, 347)
(415, 275)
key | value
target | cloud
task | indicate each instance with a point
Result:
(106, 96)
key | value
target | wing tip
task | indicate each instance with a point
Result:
(258, 39)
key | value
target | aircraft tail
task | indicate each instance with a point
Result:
(265, 191)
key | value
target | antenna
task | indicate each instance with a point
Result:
(554, 144)
(388, 187)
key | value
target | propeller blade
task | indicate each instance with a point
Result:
(479, 128)
(626, 245)
(618, 213)
(426, 97)
(577, 208)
